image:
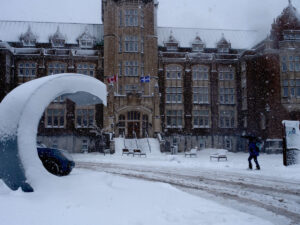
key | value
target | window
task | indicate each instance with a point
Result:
(142, 45)
(145, 125)
(142, 18)
(84, 145)
(54, 143)
(228, 143)
(133, 115)
(293, 63)
(120, 18)
(121, 124)
(86, 69)
(131, 17)
(59, 99)
(142, 69)
(55, 68)
(55, 118)
(85, 118)
(291, 88)
(226, 73)
(283, 64)
(201, 119)
(131, 68)
(200, 95)
(120, 44)
(28, 38)
(86, 43)
(131, 88)
(173, 72)
(227, 95)
(285, 88)
(227, 119)
(172, 47)
(27, 69)
(200, 73)
(131, 44)
(120, 69)
(174, 95)
(174, 118)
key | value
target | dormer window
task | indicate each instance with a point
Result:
(172, 44)
(223, 45)
(198, 45)
(86, 40)
(28, 39)
(291, 34)
(58, 39)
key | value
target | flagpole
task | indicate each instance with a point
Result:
(149, 84)
(117, 84)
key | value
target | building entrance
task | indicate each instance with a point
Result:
(133, 124)
(133, 129)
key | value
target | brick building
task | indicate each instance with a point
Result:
(198, 87)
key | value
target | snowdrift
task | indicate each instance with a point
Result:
(20, 113)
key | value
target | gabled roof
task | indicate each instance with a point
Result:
(240, 39)
(10, 31)
(28, 35)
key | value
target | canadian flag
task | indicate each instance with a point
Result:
(112, 79)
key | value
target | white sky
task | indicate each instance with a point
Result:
(231, 14)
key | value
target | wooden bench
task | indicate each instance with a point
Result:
(126, 151)
(220, 154)
(192, 152)
(138, 152)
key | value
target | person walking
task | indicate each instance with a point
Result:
(254, 153)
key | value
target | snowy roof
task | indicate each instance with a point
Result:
(10, 31)
(239, 39)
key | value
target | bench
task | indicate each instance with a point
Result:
(126, 151)
(192, 152)
(220, 154)
(138, 152)
(106, 151)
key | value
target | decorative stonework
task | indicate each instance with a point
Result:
(86, 40)
(28, 38)
(58, 39)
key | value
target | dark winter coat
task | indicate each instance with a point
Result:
(253, 149)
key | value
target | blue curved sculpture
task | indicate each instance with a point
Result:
(20, 113)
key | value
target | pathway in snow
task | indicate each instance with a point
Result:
(276, 199)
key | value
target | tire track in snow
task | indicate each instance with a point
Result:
(281, 198)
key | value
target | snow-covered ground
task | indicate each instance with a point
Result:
(94, 197)
(271, 164)
(87, 197)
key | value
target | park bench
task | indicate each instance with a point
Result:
(138, 152)
(220, 154)
(126, 151)
(192, 152)
(106, 151)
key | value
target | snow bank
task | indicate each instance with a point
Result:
(21, 110)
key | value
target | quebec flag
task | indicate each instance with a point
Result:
(145, 79)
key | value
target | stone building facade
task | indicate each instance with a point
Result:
(131, 55)
(197, 87)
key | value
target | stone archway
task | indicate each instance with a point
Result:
(20, 112)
